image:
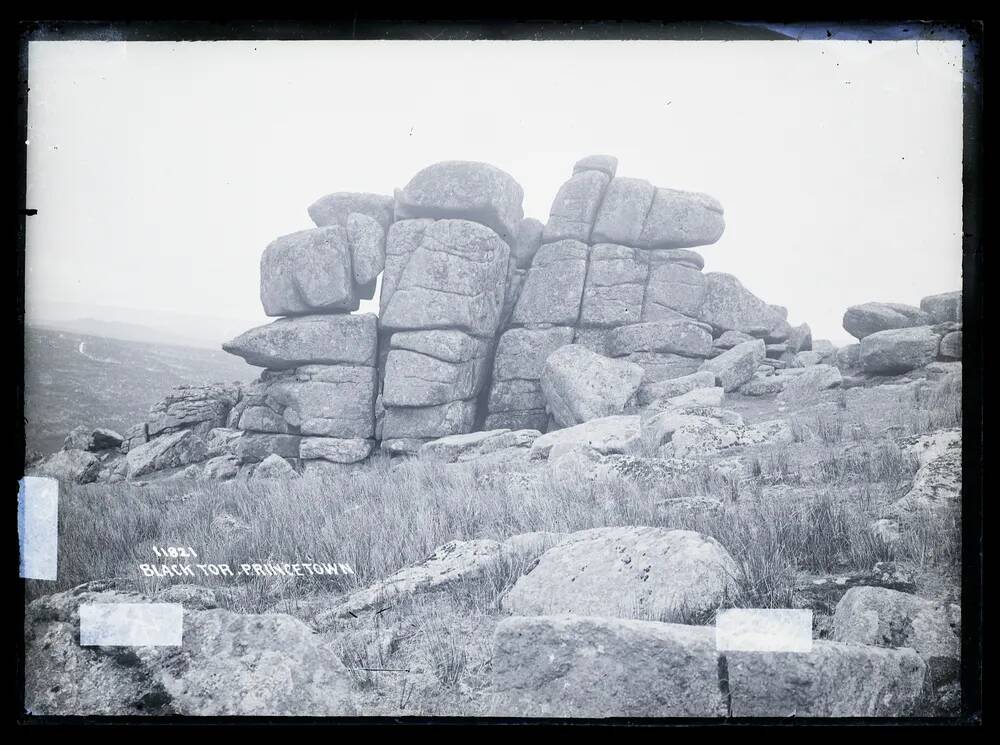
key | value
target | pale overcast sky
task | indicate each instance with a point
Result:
(160, 171)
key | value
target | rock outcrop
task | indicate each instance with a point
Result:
(616, 274)
(271, 664)
(487, 320)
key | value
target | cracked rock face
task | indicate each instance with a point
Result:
(553, 289)
(454, 279)
(572, 666)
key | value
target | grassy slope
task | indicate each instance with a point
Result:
(804, 507)
(112, 383)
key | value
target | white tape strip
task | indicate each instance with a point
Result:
(763, 630)
(131, 624)
(38, 527)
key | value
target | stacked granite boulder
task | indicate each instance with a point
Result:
(895, 338)
(487, 321)
(615, 274)
(451, 255)
(314, 403)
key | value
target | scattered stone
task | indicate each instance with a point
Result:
(810, 383)
(765, 385)
(649, 392)
(613, 434)
(729, 339)
(863, 320)
(736, 366)
(898, 350)
(944, 307)
(849, 357)
(776, 351)
(728, 305)
(806, 359)
(826, 350)
(571, 666)
(167, 451)
(70, 466)
(197, 407)
(274, 467)
(580, 386)
(951, 346)
(709, 436)
(477, 444)
(402, 445)
(455, 561)
(221, 467)
(135, 435)
(800, 340)
(660, 366)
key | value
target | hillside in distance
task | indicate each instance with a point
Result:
(72, 379)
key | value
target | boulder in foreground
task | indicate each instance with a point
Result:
(833, 680)
(271, 665)
(579, 666)
(628, 572)
(898, 350)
